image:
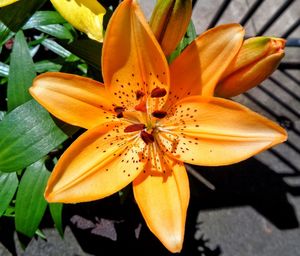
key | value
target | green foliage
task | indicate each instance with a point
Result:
(30, 202)
(28, 134)
(189, 36)
(21, 73)
(56, 213)
(8, 186)
(34, 39)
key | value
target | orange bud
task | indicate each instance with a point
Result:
(257, 59)
(169, 22)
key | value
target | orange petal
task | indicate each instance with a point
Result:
(99, 163)
(132, 60)
(197, 70)
(214, 131)
(76, 100)
(162, 193)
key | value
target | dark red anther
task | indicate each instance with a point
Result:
(139, 94)
(120, 115)
(158, 92)
(147, 137)
(119, 111)
(134, 127)
(159, 113)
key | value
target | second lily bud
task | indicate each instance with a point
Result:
(257, 59)
(169, 22)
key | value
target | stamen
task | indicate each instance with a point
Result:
(134, 127)
(120, 115)
(139, 94)
(141, 107)
(147, 137)
(159, 113)
(158, 92)
(119, 110)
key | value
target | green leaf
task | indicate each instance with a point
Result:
(27, 134)
(5, 33)
(8, 186)
(45, 66)
(55, 47)
(56, 30)
(4, 69)
(41, 18)
(30, 202)
(39, 67)
(87, 49)
(189, 36)
(14, 16)
(21, 73)
(56, 213)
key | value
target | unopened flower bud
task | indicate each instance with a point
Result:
(257, 59)
(169, 22)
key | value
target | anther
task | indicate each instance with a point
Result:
(159, 113)
(141, 107)
(134, 127)
(158, 92)
(139, 94)
(147, 137)
(119, 110)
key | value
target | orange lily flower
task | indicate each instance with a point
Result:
(141, 127)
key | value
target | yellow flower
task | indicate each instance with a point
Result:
(256, 60)
(7, 2)
(85, 15)
(143, 122)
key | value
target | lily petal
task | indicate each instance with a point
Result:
(132, 59)
(214, 131)
(76, 100)
(85, 15)
(99, 163)
(7, 2)
(162, 193)
(197, 70)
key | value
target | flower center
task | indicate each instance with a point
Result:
(140, 119)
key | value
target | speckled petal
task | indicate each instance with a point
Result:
(197, 70)
(99, 163)
(132, 60)
(74, 99)
(215, 131)
(162, 193)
